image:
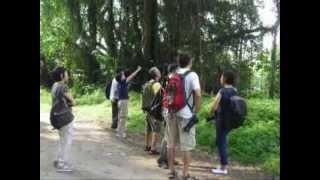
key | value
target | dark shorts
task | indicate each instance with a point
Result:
(152, 125)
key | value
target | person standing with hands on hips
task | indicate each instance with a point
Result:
(114, 101)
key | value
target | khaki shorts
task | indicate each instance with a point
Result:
(152, 125)
(176, 135)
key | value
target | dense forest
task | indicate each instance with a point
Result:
(94, 37)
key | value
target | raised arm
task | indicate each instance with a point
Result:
(129, 78)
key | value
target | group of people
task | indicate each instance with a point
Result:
(170, 125)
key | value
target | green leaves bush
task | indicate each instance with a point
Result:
(257, 142)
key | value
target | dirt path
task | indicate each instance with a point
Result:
(98, 155)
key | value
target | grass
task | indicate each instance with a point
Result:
(255, 143)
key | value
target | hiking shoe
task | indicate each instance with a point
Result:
(64, 169)
(173, 175)
(55, 163)
(154, 152)
(147, 148)
(58, 164)
(219, 171)
(164, 166)
(188, 177)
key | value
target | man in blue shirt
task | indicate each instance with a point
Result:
(123, 101)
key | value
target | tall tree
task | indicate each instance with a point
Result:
(149, 30)
(274, 49)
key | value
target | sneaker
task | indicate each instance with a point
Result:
(124, 135)
(165, 166)
(55, 163)
(219, 171)
(58, 164)
(65, 169)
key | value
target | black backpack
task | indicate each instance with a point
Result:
(238, 112)
(152, 104)
(107, 90)
(60, 113)
(156, 107)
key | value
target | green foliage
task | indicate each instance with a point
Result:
(94, 97)
(81, 36)
(45, 100)
(272, 164)
(253, 144)
(262, 75)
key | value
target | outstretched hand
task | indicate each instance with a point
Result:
(139, 68)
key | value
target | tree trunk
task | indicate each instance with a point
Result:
(149, 19)
(88, 43)
(274, 50)
(110, 28)
(273, 64)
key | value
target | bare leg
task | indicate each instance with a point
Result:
(171, 157)
(155, 139)
(147, 139)
(186, 162)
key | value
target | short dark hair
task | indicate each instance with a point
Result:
(57, 72)
(126, 72)
(184, 60)
(229, 77)
(118, 77)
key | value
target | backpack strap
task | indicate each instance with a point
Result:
(185, 94)
(155, 96)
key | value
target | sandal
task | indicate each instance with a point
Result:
(147, 148)
(154, 152)
(188, 177)
(173, 175)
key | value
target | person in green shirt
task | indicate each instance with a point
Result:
(153, 125)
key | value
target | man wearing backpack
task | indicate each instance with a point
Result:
(163, 159)
(230, 110)
(114, 97)
(151, 99)
(183, 105)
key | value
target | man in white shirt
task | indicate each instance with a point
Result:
(176, 134)
(114, 103)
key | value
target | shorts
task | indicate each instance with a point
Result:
(176, 135)
(152, 125)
